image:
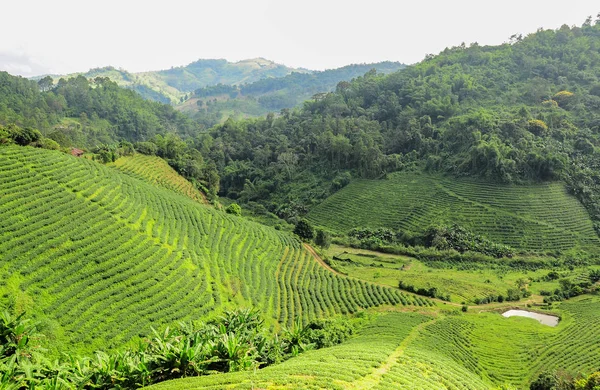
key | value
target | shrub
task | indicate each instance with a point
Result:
(48, 143)
(20, 136)
(537, 127)
(323, 239)
(148, 148)
(234, 209)
(304, 230)
(562, 98)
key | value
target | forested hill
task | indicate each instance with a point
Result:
(210, 104)
(522, 111)
(172, 85)
(83, 113)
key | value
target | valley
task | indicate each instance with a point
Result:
(250, 225)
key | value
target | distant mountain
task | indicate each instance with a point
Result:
(213, 104)
(170, 86)
(203, 73)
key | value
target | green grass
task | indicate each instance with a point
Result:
(100, 256)
(463, 285)
(541, 217)
(448, 351)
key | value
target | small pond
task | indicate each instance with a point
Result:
(542, 318)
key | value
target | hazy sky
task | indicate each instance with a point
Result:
(63, 36)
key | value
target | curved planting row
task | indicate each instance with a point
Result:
(105, 256)
(577, 347)
(534, 217)
(156, 171)
(456, 352)
(339, 367)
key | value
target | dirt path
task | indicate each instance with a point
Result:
(481, 308)
(371, 380)
(323, 264)
(319, 259)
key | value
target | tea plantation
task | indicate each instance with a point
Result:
(155, 170)
(99, 256)
(541, 217)
(448, 351)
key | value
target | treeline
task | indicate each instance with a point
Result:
(563, 380)
(569, 288)
(441, 238)
(237, 341)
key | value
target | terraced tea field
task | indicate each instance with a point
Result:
(540, 217)
(448, 351)
(156, 171)
(100, 256)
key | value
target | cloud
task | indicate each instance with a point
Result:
(19, 63)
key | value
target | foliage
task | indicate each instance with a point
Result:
(323, 239)
(20, 136)
(431, 292)
(569, 289)
(461, 240)
(561, 380)
(472, 351)
(304, 230)
(443, 238)
(234, 209)
(469, 111)
(237, 341)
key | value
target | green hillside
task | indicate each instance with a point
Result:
(481, 166)
(215, 103)
(411, 351)
(541, 217)
(202, 73)
(156, 171)
(520, 112)
(99, 256)
(169, 86)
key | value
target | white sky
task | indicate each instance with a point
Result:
(65, 36)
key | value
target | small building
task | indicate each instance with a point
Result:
(77, 152)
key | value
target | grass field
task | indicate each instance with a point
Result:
(157, 171)
(99, 256)
(463, 285)
(539, 217)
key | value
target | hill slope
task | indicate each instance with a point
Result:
(157, 171)
(532, 217)
(100, 256)
(170, 85)
(213, 104)
(409, 351)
